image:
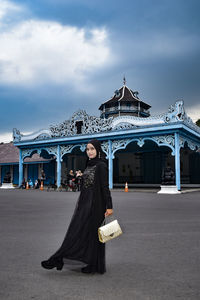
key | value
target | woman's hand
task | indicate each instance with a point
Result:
(108, 212)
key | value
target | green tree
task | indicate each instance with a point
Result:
(198, 122)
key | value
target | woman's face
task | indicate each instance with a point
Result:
(91, 151)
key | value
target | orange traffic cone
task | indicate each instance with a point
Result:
(41, 186)
(27, 186)
(126, 187)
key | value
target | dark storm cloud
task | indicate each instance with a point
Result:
(155, 44)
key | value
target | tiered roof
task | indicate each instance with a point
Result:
(124, 94)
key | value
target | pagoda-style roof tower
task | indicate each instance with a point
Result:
(124, 102)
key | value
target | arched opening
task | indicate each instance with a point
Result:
(141, 165)
(5, 170)
(75, 160)
(189, 165)
(35, 163)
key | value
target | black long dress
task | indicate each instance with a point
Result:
(81, 240)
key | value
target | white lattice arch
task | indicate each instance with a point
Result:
(29, 152)
(65, 149)
(167, 141)
(190, 144)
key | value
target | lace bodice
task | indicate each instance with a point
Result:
(88, 177)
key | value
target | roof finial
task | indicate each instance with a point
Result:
(124, 80)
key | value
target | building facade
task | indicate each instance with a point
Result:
(137, 146)
(32, 166)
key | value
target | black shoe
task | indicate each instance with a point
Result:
(88, 270)
(48, 264)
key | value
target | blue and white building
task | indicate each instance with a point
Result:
(137, 145)
(32, 166)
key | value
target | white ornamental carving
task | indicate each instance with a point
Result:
(16, 135)
(88, 124)
(65, 149)
(191, 145)
(120, 144)
(181, 142)
(52, 150)
(165, 140)
(105, 147)
(140, 142)
(176, 113)
(82, 123)
(27, 152)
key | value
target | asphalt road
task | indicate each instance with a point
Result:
(156, 258)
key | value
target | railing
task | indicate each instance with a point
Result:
(125, 108)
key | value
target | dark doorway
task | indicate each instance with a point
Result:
(79, 125)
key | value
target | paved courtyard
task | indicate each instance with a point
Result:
(157, 257)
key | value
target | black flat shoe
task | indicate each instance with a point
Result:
(48, 264)
(88, 270)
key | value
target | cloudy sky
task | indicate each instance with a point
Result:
(60, 56)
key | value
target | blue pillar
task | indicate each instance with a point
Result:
(177, 162)
(20, 167)
(58, 167)
(110, 164)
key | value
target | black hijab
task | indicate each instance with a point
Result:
(100, 154)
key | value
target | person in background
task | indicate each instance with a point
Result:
(168, 175)
(42, 178)
(78, 179)
(36, 184)
(23, 185)
(30, 183)
(71, 179)
(43, 175)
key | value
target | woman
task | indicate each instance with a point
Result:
(71, 179)
(78, 179)
(94, 204)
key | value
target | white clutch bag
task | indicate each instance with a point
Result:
(109, 231)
